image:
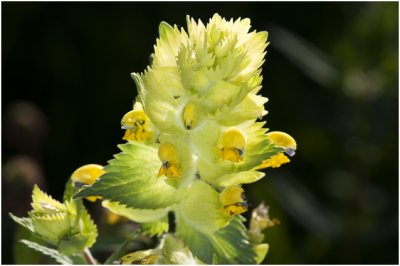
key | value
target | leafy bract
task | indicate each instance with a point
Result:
(155, 228)
(24, 222)
(131, 179)
(55, 254)
(228, 245)
(202, 209)
(137, 215)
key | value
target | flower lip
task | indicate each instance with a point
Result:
(290, 151)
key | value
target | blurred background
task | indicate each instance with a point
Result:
(331, 76)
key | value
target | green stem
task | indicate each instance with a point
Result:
(120, 251)
(89, 257)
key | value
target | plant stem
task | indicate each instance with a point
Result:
(89, 257)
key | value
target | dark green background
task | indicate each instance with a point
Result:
(331, 76)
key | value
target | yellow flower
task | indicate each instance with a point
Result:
(137, 124)
(167, 155)
(233, 200)
(87, 175)
(233, 143)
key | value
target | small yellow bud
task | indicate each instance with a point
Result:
(167, 152)
(233, 200)
(189, 115)
(87, 175)
(167, 155)
(284, 140)
(136, 123)
(233, 142)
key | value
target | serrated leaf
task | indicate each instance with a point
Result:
(25, 222)
(137, 215)
(51, 226)
(131, 179)
(23, 254)
(228, 245)
(73, 244)
(88, 228)
(43, 203)
(155, 228)
(48, 251)
(201, 208)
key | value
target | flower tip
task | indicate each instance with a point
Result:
(283, 140)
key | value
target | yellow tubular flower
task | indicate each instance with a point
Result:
(233, 142)
(87, 175)
(189, 116)
(283, 140)
(167, 155)
(136, 123)
(233, 200)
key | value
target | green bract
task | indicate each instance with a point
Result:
(66, 226)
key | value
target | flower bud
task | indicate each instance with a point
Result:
(87, 175)
(189, 116)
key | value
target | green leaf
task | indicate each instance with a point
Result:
(131, 179)
(137, 215)
(155, 228)
(88, 228)
(43, 203)
(202, 209)
(51, 226)
(261, 251)
(239, 178)
(25, 222)
(48, 251)
(69, 191)
(228, 245)
(73, 244)
(23, 254)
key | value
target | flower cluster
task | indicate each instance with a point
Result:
(193, 138)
